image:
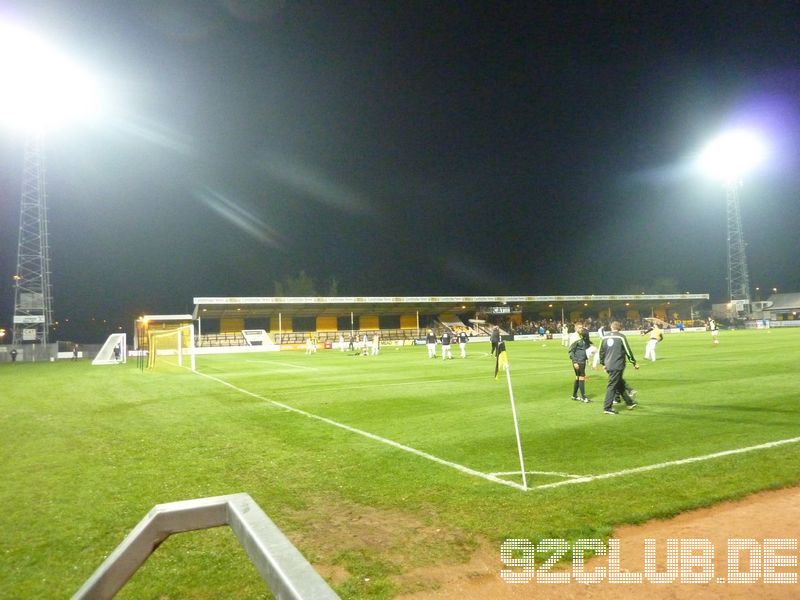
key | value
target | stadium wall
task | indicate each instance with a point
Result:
(369, 322)
(327, 323)
(408, 321)
(285, 325)
(235, 349)
(231, 325)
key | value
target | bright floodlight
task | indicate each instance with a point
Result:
(732, 155)
(41, 88)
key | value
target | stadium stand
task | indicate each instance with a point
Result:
(221, 339)
(299, 337)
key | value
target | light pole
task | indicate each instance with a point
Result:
(33, 296)
(738, 276)
(42, 90)
(728, 158)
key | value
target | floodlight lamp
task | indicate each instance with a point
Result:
(732, 155)
(43, 88)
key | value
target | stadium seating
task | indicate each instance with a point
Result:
(299, 337)
(221, 339)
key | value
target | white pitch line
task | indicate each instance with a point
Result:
(493, 477)
(553, 473)
(671, 463)
(372, 436)
(230, 385)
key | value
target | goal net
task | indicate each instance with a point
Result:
(114, 350)
(171, 346)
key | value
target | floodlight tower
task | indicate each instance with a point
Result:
(42, 90)
(33, 297)
(738, 277)
(729, 158)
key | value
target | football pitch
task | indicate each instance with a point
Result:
(377, 467)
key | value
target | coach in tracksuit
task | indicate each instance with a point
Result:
(615, 352)
(579, 344)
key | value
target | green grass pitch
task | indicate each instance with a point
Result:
(375, 466)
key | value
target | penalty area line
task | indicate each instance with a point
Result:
(372, 436)
(671, 463)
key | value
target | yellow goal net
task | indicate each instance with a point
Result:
(173, 346)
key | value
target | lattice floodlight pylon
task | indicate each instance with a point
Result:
(33, 303)
(738, 277)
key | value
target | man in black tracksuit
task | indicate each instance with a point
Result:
(577, 354)
(615, 352)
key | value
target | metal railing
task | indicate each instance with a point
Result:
(287, 573)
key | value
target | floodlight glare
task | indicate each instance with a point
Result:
(733, 155)
(729, 158)
(41, 87)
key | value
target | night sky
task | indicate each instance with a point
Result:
(408, 148)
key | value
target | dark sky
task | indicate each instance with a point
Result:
(408, 148)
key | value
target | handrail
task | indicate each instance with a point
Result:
(287, 573)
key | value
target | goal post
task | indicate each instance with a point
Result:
(113, 351)
(177, 342)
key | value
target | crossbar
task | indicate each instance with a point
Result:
(287, 573)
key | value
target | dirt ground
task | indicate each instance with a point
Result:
(762, 516)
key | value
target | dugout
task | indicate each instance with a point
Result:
(402, 317)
